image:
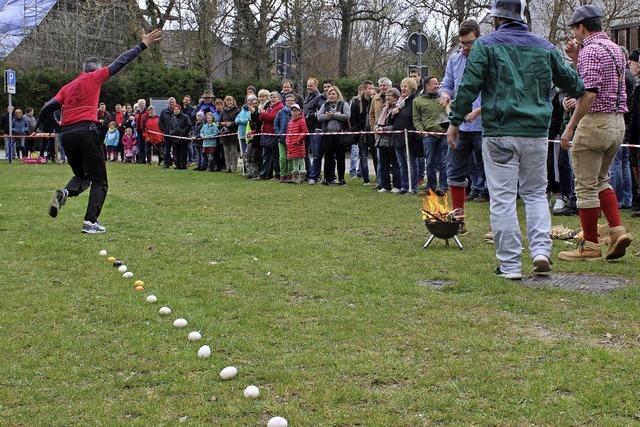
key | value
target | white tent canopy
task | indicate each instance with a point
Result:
(17, 19)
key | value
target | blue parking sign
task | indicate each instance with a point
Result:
(10, 81)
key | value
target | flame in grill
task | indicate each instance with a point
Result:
(435, 207)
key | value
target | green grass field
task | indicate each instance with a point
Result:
(338, 334)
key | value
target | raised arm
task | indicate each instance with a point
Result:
(131, 54)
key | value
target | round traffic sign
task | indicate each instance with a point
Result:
(417, 43)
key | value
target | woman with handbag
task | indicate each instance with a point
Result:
(228, 126)
(387, 160)
(402, 119)
(269, 143)
(334, 116)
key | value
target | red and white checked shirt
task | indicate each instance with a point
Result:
(598, 71)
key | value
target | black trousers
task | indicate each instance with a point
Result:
(142, 151)
(334, 153)
(85, 155)
(389, 165)
(270, 155)
(180, 153)
(168, 145)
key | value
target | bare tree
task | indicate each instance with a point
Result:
(257, 28)
(351, 11)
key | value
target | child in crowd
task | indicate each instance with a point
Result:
(295, 145)
(208, 133)
(201, 158)
(111, 140)
(219, 154)
(280, 125)
(152, 133)
(242, 119)
(129, 144)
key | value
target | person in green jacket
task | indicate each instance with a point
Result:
(430, 116)
(515, 71)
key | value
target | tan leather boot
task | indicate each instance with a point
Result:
(586, 251)
(619, 242)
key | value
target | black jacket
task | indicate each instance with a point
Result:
(359, 116)
(179, 125)
(165, 118)
(632, 134)
(190, 112)
(312, 104)
(4, 122)
(229, 115)
(404, 120)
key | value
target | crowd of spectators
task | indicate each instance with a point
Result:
(285, 137)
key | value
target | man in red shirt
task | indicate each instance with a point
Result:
(81, 140)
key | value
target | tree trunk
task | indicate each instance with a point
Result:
(346, 9)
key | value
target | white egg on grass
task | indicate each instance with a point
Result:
(277, 422)
(194, 336)
(122, 268)
(128, 275)
(228, 373)
(204, 352)
(152, 299)
(164, 311)
(251, 392)
(180, 323)
(103, 252)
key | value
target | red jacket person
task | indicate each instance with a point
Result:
(78, 100)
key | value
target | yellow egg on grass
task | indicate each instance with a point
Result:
(138, 283)
(111, 260)
(139, 288)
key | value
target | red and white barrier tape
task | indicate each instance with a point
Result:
(307, 133)
(33, 136)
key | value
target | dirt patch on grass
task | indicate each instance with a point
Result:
(521, 326)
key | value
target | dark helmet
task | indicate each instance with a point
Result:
(510, 9)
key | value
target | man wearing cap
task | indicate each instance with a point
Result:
(598, 124)
(207, 105)
(81, 140)
(515, 71)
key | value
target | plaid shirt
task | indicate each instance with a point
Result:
(598, 71)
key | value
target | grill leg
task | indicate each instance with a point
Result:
(429, 240)
(455, 238)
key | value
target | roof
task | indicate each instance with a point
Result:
(622, 26)
(17, 19)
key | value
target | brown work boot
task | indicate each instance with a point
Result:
(586, 251)
(619, 242)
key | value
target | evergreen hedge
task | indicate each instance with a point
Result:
(144, 80)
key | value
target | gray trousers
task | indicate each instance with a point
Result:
(517, 165)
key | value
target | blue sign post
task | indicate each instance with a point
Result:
(10, 89)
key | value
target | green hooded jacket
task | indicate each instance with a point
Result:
(515, 71)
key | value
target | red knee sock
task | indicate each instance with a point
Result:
(457, 196)
(609, 206)
(589, 221)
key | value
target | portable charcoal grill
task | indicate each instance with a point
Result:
(443, 230)
(439, 220)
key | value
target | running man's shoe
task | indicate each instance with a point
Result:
(93, 227)
(57, 201)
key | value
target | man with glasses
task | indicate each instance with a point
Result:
(465, 153)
